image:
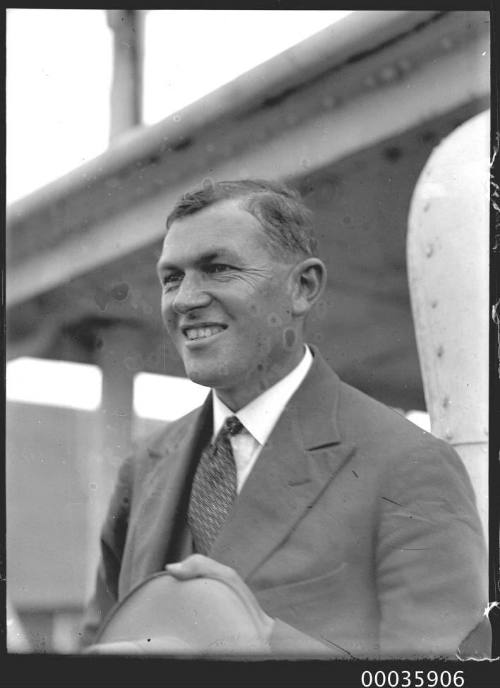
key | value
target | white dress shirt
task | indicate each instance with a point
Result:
(258, 417)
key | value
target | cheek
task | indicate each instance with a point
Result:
(167, 314)
(264, 323)
(260, 319)
(274, 310)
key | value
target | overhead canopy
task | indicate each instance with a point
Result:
(349, 115)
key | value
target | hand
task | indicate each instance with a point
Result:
(199, 566)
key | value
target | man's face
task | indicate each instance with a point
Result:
(226, 300)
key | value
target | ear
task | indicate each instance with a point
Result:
(309, 280)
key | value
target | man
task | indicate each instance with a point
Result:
(333, 513)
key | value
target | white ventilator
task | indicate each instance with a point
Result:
(448, 270)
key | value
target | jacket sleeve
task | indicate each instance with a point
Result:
(112, 543)
(431, 559)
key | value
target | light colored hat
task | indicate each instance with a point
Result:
(199, 616)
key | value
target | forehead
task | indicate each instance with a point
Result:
(224, 227)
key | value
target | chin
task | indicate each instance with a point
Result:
(203, 376)
(213, 376)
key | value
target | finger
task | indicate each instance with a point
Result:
(197, 565)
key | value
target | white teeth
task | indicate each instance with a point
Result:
(202, 332)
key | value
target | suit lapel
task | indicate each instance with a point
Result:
(160, 522)
(300, 458)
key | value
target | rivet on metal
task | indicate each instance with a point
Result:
(448, 435)
(440, 351)
(434, 303)
(429, 250)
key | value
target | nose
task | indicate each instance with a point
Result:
(190, 295)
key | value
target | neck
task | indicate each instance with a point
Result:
(257, 381)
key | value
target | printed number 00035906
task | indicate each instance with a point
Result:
(412, 679)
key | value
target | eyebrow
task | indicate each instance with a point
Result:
(204, 258)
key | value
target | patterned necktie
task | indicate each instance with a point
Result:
(214, 487)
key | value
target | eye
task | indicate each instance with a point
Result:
(215, 268)
(171, 279)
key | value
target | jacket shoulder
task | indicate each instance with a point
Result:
(398, 451)
(367, 420)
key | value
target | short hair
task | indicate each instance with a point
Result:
(286, 221)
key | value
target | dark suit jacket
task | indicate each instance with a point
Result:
(354, 526)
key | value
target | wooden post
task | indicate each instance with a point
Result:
(126, 89)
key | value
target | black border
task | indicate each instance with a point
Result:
(494, 424)
(67, 671)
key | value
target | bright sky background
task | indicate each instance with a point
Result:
(57, 93)
(59, 74)
(191, 53)
(58, 83)
(54, 383)
(165, 397)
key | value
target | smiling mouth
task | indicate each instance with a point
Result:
(195, 333)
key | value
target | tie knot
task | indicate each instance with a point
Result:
(232, 426)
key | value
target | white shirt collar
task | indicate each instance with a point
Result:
(261, 415)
